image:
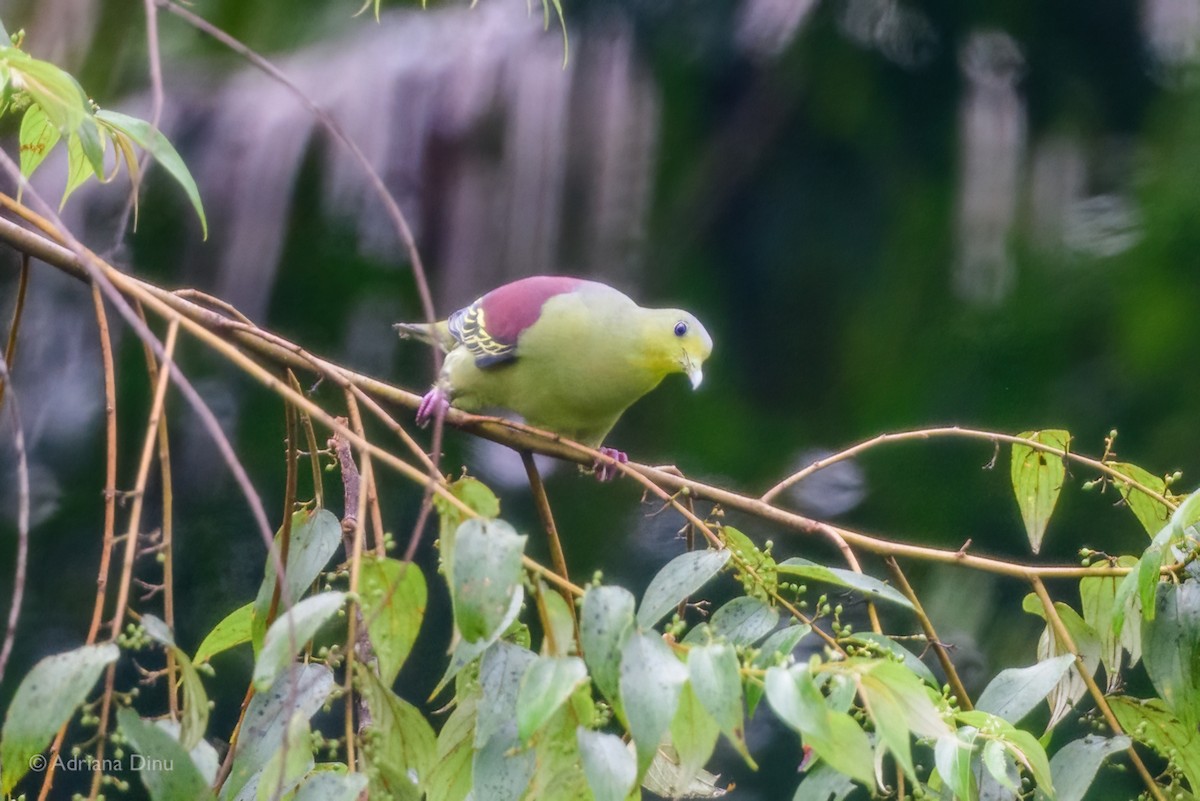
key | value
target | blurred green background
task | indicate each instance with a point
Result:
(889, 215)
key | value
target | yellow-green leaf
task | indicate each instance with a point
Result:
(1037, 479)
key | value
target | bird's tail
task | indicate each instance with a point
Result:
(437, 334)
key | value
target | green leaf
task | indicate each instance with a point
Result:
(611, 770)
(1015, 692)
(467, 652)
(79, 169)
(681, 577)
(450, 779)
(182, 781)
(290, 764)
(324, 785)
(775, 650)
(230, 632)
(1171, 649)
(153, 142)
(477, 497)
(558, 639)
(744, 621)
(872, 588)
(823, 783)
(46, 699)
(1076, 763)
(1099, 598)
(1071, 686)
(847, 749)
(399, 745)
(714, 674)
(1001, 769)
(195, 700)
(794, 697)
(899, 706)
(1037, 479)
(651, 680)
(484, 575)
(1151, 513)
(500, 772)
(1151, 723)
(694, 735)
(952, 756)
(1030, 753)
(315, 536)
(393, 597)
(500, 675)
(291, 632)
(38, 138)
(302, 690)
(546, 686)
(605, 622)
(59, 94)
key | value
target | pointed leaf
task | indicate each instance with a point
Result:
(300, 691)
(291, 632)
(500, 675)
(611, 770)
(605, 622)
(1016, 691)
(38, 137)
(794, 697)
(681, 577)
(314, 537)
(1037, 479)
(232, 631)
(651, 680)
(952, 755)
(46, 699)
(182, 782)
(290, 764)
(714, 675)
(1076, 763)
(1151, 723)
(744, 621)
(846, 748)
(546, 686)
(484, 575)
(694, 735)
(823, 783)
(1151, 513)
(399, 745)
(153, 142)
(393, 597)
(325, 785)
(872, 588)
(1171, 649)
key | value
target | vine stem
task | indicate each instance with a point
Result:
(132, 531)
(931, 635)
(962, 433)
(557, 558)
(10, 349)
(22, 558)
(1064, 636)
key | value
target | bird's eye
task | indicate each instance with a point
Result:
(680, 328)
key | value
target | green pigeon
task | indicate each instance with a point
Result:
(568, 355)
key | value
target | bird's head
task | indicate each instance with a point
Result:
(680, 343)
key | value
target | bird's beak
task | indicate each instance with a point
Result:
(694, 373)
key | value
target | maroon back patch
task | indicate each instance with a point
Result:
(510, 309)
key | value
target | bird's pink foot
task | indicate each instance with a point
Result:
(606, 471)
(434, 404)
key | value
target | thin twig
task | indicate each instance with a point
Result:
(10, 349)
(131, 543)
(1064, 637)
(964, 700)
(963, 433)
(18, 591)
(542, 502)
(314, 456)
(368, 477)
(167, 550)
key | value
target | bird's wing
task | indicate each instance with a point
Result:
(489, 327)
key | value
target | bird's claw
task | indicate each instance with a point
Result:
(434, 404)
(605, 470)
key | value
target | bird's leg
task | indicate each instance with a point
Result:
(435, 404)
(605, 470)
